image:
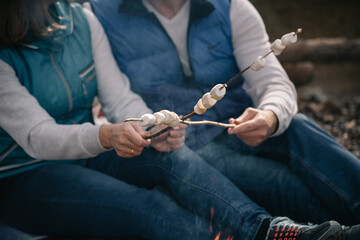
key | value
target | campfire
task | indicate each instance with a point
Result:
(220, 233)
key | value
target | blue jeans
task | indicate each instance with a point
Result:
(304, 173)
(8, 233)
(112, 197)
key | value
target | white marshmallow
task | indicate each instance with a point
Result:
(277, 47)
(258, 64)
(199, 108)
(147, 120)
(169, 117)
(176, 121)
(218, 92)
(160, 118)
(208, 101)
(289, 39)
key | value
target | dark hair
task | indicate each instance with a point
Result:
(18, 18)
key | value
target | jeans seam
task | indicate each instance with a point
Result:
(252, 233)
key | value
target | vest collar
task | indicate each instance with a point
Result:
(198, 9)
(64, 16)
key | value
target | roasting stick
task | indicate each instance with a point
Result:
(207, 122)
(203, 122)
(275, 48)
(217, 92)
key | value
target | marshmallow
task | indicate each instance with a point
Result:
(176, 121)
(277, 47)
(199, 108)
(289, 39)
(147, 120)
(258, 64)
(160, 118)
(208, 101)
(218, 92)
(169, 117)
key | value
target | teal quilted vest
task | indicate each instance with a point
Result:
(59, 72)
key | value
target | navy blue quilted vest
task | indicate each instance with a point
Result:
(146, 54)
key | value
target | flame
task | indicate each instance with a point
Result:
(218, 237)
(211, 229)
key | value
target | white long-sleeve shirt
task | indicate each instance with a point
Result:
(269, 88)
(37, 132)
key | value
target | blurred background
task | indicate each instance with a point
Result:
(331, 19)
(325, 63)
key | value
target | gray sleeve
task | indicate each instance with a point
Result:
(270, 88)
(117, 100)
(37, 132)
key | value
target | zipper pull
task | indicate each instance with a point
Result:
(84, 87)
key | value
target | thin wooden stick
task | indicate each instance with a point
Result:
(206, 122)
(133, 120)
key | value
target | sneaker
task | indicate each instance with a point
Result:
(352, 233)
(282, 228)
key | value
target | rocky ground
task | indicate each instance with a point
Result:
(340, 117)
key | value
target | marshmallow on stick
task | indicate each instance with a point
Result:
(199, 108)
(160, 118)
(277, 47)
(147, 120)
(209, 99)
(218, 92)
(258, 64)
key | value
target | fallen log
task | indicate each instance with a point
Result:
(322, 50)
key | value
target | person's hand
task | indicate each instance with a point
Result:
(254, 126)
(127, 139)
(169, 140)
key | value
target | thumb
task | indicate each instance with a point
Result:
(139, 131)
(137, 128)
(247, 115)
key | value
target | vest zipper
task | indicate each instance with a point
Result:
(63, 80)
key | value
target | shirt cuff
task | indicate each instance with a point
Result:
(91, 140)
